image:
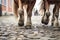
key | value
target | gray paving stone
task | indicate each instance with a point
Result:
(9, 30)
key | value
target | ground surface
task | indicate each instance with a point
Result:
(9, 30)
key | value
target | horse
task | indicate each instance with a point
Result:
(45, 18)
(19, 6)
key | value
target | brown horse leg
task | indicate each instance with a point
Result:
(15, 9)
(21, 14)
(29, 14)
(55, 16)
(45, 18)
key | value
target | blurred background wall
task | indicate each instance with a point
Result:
(6, 7)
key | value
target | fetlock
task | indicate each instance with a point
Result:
(56, 15)
(28, 24)
(20, 12)
(47, 14)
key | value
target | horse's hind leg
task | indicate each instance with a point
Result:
(45, 18)
(55, 16)
(21, 14)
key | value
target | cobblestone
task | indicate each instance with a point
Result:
(9, 30)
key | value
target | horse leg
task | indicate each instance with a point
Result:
(29, 14)
(21, 14)
(55, 16)
(15, 9)
(45, 18)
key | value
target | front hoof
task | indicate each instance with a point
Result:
(45, 21)
(28, 26)
(20, 24)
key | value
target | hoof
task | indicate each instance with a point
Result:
(45, 21)
(20, 24)
(28, 27)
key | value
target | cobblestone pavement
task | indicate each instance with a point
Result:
(9, 30)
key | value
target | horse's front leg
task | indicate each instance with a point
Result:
(15, 9)
(55, 22)
(45, 18)
(21, 14)
(29, 14)
(28, 22)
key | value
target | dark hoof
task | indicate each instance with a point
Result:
(45, 21)
(28, 26)
(20, 24)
